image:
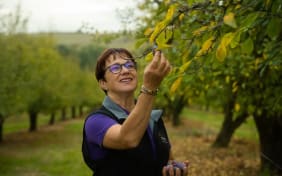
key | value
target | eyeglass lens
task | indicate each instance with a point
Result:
(116, 68)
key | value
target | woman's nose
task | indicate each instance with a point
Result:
(124, 69)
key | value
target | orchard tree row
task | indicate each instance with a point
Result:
(39, 76)
(226, 54)
(35, 78)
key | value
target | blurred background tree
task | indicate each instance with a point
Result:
(39, 76)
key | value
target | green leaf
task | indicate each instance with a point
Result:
(158, 29)
(163, 39)
(190, 2)
(175, 85)
(148, 31)
(274, 28)
(140, 42)
(221, 53)
(163, 24)
(149, 57)
(229, 20)
(248, 46)
(206, 46)
(248, 21)
(184, 66)
(227, 38)
(199, 31)
(170, 12)
(236, 40)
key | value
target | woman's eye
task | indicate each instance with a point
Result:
(115, 68)
(130, 65)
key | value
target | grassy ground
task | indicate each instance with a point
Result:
(211, 123)
(56, 150)
(193, 139)
(52, 151)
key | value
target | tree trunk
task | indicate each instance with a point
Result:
(207, 102)
(228, 128)
(225, 134)
(32, 121)
(177, 105)
(230, 122)
(175, 108)
(1, 127)
(176, 115)
(80, 110)
(52, 119)
(63, 114)
(270, 138)
(73, 112)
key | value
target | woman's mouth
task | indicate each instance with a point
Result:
(126, 80)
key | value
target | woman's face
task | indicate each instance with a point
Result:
(120, 75)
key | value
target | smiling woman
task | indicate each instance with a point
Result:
(69, 16)
(126, 136)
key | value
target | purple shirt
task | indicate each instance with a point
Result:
(97, 125)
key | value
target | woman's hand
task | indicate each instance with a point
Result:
(155, 71)
(175, 168)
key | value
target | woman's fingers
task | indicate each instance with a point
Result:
(176, 169)
(156, 59)
(177, 172)
(161, 64)
(164, 171)
(156, 71)
(185, 170)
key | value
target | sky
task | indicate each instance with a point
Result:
(69, 15)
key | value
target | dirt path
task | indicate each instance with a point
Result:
(192, 141)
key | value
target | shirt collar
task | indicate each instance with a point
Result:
(118, 111)
(121, 113)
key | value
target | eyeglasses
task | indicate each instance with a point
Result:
(116, 68)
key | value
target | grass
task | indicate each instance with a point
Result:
(56, 150)
(212, 121)
(21, 123)
(51, 151)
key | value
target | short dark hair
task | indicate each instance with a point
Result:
(101, 61)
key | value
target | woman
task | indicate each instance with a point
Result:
(125, 137)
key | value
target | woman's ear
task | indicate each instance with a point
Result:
(103, 84)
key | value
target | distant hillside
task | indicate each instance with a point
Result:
(123, 42)
(79, 39)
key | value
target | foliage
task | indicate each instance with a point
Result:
(42, 75)
(234, 56)
(36, 78)
(223, 47)
(13, 77)
(88, 56)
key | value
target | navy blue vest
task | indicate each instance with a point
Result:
(139, 161)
